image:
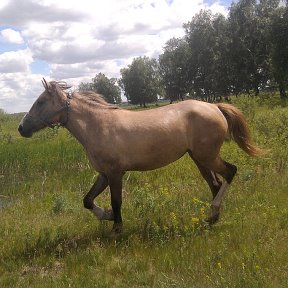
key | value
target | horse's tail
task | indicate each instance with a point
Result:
(239, 130)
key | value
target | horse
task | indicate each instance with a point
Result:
(117, 140)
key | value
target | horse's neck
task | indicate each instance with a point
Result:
(80, 120)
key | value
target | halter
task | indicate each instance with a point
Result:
(45, 120)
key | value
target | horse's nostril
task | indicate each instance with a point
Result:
(20, 128)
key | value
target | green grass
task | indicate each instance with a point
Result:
(47, 238)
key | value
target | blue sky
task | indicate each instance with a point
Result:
(74, 40)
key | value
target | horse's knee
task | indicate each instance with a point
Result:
(88, 203)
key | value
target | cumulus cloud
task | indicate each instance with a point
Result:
(19, 13)
(19, 91)
(15, 61)
(82, 71)
(11, 36)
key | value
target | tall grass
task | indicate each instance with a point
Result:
(47, 239)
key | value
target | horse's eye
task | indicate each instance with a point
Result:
(40, 103)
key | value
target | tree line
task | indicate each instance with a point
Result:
(245, 52)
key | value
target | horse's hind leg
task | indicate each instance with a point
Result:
(227, 171)
(88, 201)
(208, 170)
(211, 178)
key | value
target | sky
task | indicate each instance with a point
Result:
(74, 40)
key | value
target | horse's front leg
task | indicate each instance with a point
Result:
(88, 201)
(115, 184)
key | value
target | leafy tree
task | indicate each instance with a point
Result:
(241, 25)
(221, 72)
(265, 10)
(104, 86)
(279, 39)
(249, 23)
(140, 81)
(208, 63)
(85, 87)
(173, 67)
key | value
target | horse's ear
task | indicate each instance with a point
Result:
(51, 87)
(63, 85)
(47, 85)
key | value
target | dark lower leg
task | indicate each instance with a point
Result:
(98, 187)
(213, 181)
(227, 171)
(230, 172)
(210, 177)
(115, 183)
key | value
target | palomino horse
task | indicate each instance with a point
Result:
(118, 140)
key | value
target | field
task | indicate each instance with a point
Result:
(47, 238)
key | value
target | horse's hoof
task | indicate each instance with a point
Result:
(108, 215)
(212, 219)
(214, 215)
(116, 230)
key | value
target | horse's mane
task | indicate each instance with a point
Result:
(92, 97)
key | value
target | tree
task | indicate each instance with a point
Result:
(221, 73)
(279, 32)
(85, 87)
(140, 81)
(241, 26)
(173, 68)
(208, 64)
(104, 86)
(249, 23)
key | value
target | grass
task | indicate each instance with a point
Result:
(47, 239)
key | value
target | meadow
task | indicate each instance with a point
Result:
(47, 238)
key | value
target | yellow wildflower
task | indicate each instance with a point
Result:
(202, 211)
(173, 218)
(195, 220)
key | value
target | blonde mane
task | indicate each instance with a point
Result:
(92, 98)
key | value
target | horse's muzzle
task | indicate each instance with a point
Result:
(24, 132)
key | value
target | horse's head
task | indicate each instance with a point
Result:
(49, 109)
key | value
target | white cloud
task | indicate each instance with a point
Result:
(19, 91)
(79, 39)
(3, 3)
(83, 72)
(11, 36)
(15, 61)
(20, 13)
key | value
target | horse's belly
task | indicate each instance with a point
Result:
(146, 166)
(154, 159)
